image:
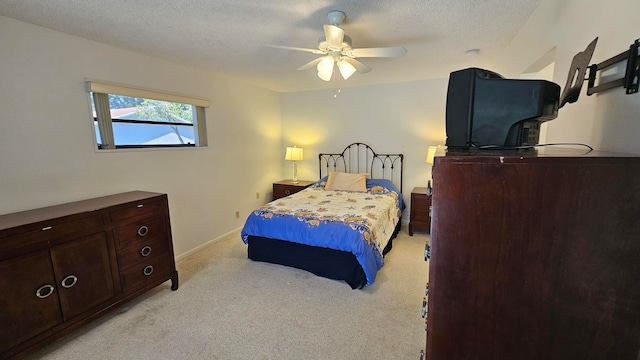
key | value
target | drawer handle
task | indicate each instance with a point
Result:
(47, 228)
(145, 251)
(287, 192)
(421, 354)
(427, 252)
(69, 281)
(426, 290)
(44, 291)
(148, 270)
(140, 205)
(424, 307)
(143, 230)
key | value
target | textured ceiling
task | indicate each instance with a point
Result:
(229, 36)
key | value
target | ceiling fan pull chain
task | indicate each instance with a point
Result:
(335, 81)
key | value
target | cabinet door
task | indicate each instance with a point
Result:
(83, 273)
(29, 301)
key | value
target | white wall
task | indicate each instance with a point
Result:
(403, 117)
(47, 150)
(606, 120)
(408, 117)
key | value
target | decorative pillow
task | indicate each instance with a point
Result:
(346, 182)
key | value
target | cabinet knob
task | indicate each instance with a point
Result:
(426, 290)
(427, 252)
(143, 230)
(44, 291)
(421, 354)
(69, 281)
(424, 307)
(145, 251)
(148, 270)
(287, 192)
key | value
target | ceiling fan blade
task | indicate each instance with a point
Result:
(360, 67)
(334, 36)
(397, 51)
(310, 64)
(314, 51)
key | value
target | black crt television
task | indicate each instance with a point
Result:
(485, 110)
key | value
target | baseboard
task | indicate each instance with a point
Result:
(207, 244)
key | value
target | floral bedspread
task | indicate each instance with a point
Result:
(358, 222)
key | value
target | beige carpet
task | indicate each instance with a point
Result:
(229, 307)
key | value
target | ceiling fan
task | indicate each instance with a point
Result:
(335, 48)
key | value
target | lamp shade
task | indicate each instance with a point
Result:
(346, 69)
(294, 153)
(431, 154)
(325, 68)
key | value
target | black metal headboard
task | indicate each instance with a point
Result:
(360, 158)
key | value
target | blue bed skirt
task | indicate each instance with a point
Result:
(324, 262)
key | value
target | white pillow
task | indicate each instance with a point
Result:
(346, 182)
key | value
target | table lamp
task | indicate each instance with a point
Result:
(294, 154)
(431, 154)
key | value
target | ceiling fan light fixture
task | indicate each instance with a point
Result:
(346, 69)
(335, 50)
(325, 68)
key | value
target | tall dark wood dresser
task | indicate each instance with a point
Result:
(534, 255)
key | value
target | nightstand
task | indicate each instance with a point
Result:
(420, 208)
(287, 187)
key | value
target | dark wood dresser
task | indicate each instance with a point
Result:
(420, 207)
(284, 188)
(534, 255)
(64, 265)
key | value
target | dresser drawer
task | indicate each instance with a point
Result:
(139, 231)
(142, 251)
(280, 191)
(420, 213)
(137, 209)
(146, 272)
(286, 187)
(420, 202)
(54, 231)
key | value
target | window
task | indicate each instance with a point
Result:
(126, 117)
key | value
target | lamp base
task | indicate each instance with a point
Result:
(295, 173)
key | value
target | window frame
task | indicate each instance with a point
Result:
(101, 91)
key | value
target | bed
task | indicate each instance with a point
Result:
(341, 226)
